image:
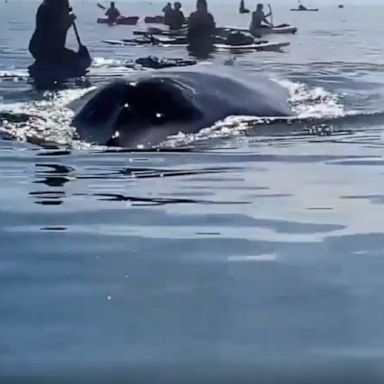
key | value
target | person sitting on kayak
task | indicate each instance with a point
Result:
(47, 45)
(259, 20)
(177, 17)
(302, 7)
(168, 11)
(201, 29)
(112, 13)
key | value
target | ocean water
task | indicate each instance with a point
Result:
(233, 255)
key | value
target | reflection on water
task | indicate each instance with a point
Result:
(228, 264)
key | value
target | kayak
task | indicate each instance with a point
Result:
(131, 20)
(305, 10)
(154, 19)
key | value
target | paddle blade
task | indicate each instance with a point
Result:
(85, 56)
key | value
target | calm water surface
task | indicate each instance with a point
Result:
(243, 258)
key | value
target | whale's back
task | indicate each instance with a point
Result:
(147, 107)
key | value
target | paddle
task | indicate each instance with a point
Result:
(101, 6)
(270, 11)
(83, 50)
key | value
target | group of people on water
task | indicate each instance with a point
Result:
(55, 17)
(201, 25)
(174, 17)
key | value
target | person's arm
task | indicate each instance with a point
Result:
(68, 20)
(267, 21)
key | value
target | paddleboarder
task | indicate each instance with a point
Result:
(53, 61)
(201, 29)
(47, 45)
(259, 20)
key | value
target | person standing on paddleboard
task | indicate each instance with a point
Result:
(201, 30)
(47, 45)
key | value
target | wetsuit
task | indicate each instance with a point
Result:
(201, 30)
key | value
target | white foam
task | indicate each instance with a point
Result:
(49, 119)
(306, 102)
(231, 126)
(314, 102)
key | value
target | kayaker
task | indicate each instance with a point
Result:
(167, 10)
(112, 13)
(259, 20)
(177, 17)
(302, 7)
(242, 8)
(47, 45)
(201, 29)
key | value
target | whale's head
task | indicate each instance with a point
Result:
(142, 111)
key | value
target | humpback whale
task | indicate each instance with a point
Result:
(147, 107)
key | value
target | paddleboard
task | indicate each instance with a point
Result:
(279, 29)
(305, 10)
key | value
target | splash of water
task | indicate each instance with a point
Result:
(49, 119)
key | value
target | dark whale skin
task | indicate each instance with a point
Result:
(147, 107)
